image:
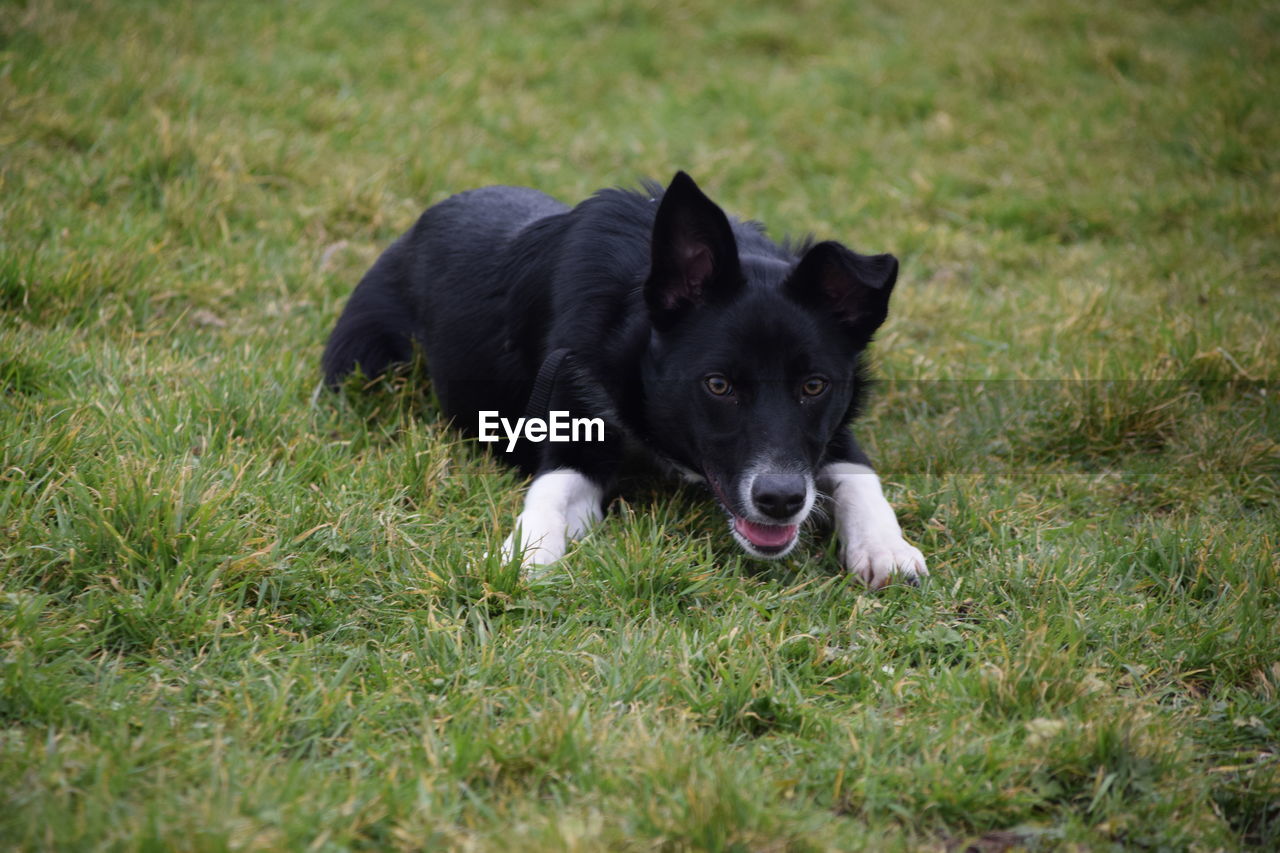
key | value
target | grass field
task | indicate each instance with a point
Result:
(235, 618)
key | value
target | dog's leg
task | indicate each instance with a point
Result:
(560, 506)
(871, 543)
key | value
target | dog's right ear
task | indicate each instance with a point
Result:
(694, 257)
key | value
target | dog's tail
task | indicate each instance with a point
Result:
(376, 328)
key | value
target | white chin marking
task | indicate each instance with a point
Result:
(559, 507)
(871, 545)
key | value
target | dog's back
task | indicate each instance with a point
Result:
(482, 285)
(441, 286)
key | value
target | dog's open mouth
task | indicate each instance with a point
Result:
(756, 537)
(769, 540)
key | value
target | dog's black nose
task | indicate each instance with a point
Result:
(779, 496)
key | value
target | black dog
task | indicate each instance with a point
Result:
(663, 324)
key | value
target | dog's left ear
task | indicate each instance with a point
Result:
(854, 288)
(694, 256)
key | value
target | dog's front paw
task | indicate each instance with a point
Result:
(877, 562)
(538, 541)
(560, 506)
(871, 545)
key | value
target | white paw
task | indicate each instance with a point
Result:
(877, 562)
(539, 541)
(871, 545)
(559, 507)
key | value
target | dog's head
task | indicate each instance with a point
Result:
(753, 364)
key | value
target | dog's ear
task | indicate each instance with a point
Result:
(854, 288)
(694, 257)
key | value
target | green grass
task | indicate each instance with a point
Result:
(232, 617)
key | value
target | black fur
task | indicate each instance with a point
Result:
(651, 292)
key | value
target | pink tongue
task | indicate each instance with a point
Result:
(765, 535)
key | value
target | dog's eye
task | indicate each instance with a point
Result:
(814, 386)
(718, 385)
